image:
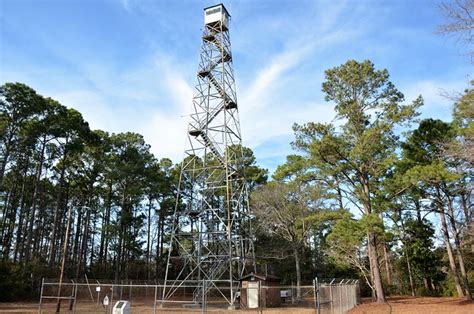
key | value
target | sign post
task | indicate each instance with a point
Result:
(98, 294)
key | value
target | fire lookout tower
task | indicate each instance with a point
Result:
(211, 243)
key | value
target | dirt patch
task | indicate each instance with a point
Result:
(395, 305)
(49, 308)
(413, 305)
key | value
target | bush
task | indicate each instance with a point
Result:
(449, 288)
(423, 292)
(21, 282)
(12, 284)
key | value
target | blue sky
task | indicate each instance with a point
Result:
(129, 65)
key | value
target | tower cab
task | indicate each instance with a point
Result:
(215, 16)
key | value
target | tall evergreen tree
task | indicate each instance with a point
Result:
(359, 152)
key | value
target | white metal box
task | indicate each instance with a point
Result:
(121, 307)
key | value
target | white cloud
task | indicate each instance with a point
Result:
(267, 109)
(437, 105)
(179, 88)
(153, 100)
(91, 104)
(271, 73)
(166, 135)
(276, 123)
(126, 4)
(166, 130)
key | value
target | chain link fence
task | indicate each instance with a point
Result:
(337, 295)
(331, 296)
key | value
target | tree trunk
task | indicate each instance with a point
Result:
(59, 207)
(22, 209)
(148, 244)
(76, 242)
(3, 168)
(8, 222)
(19, 236)
(298, 273)
(452, 262)
(12, 203)
(83, 249)
(339, 194)
(76, 251)
(159, 239)
(122, 229)
(6, 156)
(372, 247)
(464, 204)
(407, 257)
(104, 242)
(162, 228)
(387, 264)
(418, 210)
(9, 225)
(40, 233)
(410, 275)
(5, 210)
(375, 268)
(387, 259)
(459, 253)
(92, 246)
(33, 200)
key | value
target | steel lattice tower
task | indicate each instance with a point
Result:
(211, 244)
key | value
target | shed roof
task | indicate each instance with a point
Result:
(259, 276)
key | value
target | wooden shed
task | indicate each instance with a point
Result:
(259, 291)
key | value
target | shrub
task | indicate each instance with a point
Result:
(12, 284)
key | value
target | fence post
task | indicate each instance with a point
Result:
(112, 299)
(203, 298)
(146, 292)
(314, 295)
(41, 295)
(348, 292)
(345, 297)
(331, 294)
(292, 293)
(154, 301)
(318, 295)
(340, 296)
(75, 298)
(353, 295)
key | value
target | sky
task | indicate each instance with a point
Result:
(130, 65)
